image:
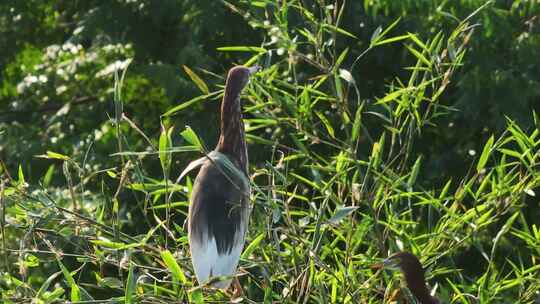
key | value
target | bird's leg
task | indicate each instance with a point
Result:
(237, 288)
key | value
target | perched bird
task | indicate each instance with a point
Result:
(412, 269)
(219, 205)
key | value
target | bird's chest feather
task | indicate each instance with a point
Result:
(219, 208)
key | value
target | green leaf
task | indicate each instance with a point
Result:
(417, 41)
(511, 153)
(21, 176)
(419, 55)
(191, 137)
(75, 292)
(53, 155)
(393, 95)
(339, 30)
(252, 246)
(196, 296)
(506, 227)
(54, 296)
(165, 144)
(46, 284)
(196, 79)
(114, 245)
(390, 40)
(190, 102)
(340, 213)
(485, 154)
(111, 282)
(377, 151)
(131, 284)
(253, 49)
(173, 266)
(341, 58)
(375, 35)
(326, 123)
(48, 176)
(414, 171)
(357, 123)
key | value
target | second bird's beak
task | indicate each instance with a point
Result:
(391, 263)
(254, 69)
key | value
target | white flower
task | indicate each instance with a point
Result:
(530, 192)
(61, 89)
(113, 67)
(30, 79)
(21, 86)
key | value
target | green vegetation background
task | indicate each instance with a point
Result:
(375, 126)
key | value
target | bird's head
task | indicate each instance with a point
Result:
(405, 261)
(238, 77)
(413, 271)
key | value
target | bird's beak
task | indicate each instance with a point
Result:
(391, 263)
(377, 266)
(388, 263)
(254, 69)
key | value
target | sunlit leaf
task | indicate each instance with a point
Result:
(196, 79)
(486, 152)
(173, 266)
(340, 213)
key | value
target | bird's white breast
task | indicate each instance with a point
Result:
(208, 262)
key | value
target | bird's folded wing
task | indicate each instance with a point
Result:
(223, 161)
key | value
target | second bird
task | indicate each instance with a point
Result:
(219, 205)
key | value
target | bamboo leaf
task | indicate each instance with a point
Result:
(131, 284)
(414, 171)
(346, 75)
(340, 213)
(75, 292)
(375, 35)
(418, 55)
(393, 95)
(190, 102)
(165, 144)
(196, 79)
(252, 246)
(486, 152)
(390, 40)
(253, 49)
(191, 137)
(196, 296)
(339, 30)
(326, 124)
(46, 284)
(357, 123)
(173, 266)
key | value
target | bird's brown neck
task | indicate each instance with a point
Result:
(232, 140)
(417, 285)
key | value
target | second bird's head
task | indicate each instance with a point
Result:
(238, 78)
(406, 261)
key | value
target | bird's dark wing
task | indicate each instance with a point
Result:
(218, 207)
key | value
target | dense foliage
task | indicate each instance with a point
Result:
(374, 126)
